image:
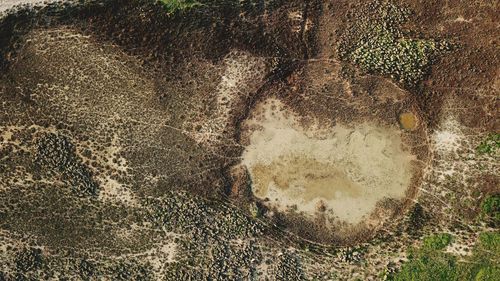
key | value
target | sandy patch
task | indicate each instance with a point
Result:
(113, 190)
(242, 73)
(343, 170)
(296, 18)
(8, 4)
(447, 138)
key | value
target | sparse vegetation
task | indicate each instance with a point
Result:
(288, 268)
(58, 155)
(173, 6)
(113, 101)
(377, 44)
(489, 145)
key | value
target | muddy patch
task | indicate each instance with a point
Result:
(408, 121)
(342, 171)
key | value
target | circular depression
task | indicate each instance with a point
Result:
(342, 174)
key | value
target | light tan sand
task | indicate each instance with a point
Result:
(241, 69)
(347, 170)
(7, 4)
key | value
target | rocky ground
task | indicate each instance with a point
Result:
(129, 134)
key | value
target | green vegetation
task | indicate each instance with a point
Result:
(430, 262)
(489, 145)
(438, 241)
(424, 266)
(377, 44)
(490, 209)
(173, 6)
(485, 263)
(491, 241)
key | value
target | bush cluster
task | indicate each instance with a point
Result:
(490, 209)
(173, 6)
(57, 154)
(375, 42)
(490, 145)
(431, 263)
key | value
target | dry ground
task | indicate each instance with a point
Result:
(234, 141)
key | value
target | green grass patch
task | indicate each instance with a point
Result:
(490, 209)
(488, 274)
(490, 145)
(490, 241)
(485, 263)
(437, 241)
(427, 267)
(431, 263)
(173, 6)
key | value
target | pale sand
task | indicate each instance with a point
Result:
(347, 170)
(242, 74)
(7, 4)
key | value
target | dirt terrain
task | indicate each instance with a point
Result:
(336, 173)
(246, 140)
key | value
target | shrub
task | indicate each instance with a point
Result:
(57, 154)
(173, 6)
(489, 145)
(438, 241)
(416, 219)
(490, 209)
(29, 259)
(432, 264)
(376, 42)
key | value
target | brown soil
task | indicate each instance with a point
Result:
(160, 104)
